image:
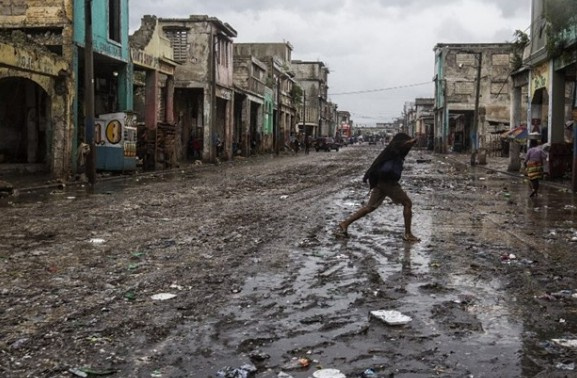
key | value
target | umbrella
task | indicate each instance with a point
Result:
(517, 134)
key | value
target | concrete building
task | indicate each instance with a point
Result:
(37, 88)
(313, 79)
(277, 58)
(113, 130)
(424, 122)
(345, 124)
(204, 90)
(250, 76)
(544, 87)
(472, 100)
(154, 69)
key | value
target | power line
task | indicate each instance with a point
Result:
(381, 89)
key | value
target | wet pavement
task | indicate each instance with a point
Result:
(263, 281)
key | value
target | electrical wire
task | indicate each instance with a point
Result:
(381, 89)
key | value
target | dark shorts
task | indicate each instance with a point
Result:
(386, 189)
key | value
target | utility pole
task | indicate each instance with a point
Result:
(304, 113)
(89, 94)
(277, 118)
(574, 177)
(476, 114)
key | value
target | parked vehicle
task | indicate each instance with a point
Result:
(326, 144)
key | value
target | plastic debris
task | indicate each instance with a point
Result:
(297, 363)
(369, 373)
(568, 343)
(282, 374)
(328, 373)
(283, 197)
(563, 366)
(162, 296)
(242, 372)
(258, 355)
(391, 317)
(97, 241)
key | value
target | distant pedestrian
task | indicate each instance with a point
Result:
(534, 162)
(307, 144)
(383, 177)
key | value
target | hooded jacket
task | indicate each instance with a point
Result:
(398, 148)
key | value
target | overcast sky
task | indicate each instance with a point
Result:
(367, 44)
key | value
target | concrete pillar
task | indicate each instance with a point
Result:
(556, 106)
(169, 100)
(209, 139)
(151, 118)
(515, 120)
(245, 121)
(228, 127)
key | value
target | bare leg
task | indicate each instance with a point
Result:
(408, 216)
(344, 225)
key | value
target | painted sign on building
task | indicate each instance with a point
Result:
(539, 78)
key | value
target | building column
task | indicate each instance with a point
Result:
(229, 127)
(556, 116)
(209, 139)
(515, 121)
(246, 121)
(151, 118)
(169, 100)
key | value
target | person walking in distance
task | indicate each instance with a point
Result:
(534, 162)
(383, 177)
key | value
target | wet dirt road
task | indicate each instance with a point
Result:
(258, 278)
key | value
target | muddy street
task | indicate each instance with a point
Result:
(216, 270)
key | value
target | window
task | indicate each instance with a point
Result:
(179, 42)
(114, 20)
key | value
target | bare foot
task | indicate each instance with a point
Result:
(411, 238)
(341, 232)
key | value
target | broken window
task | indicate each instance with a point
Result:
(179, 42)
(114, 20)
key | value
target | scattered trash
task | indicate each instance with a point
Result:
(328, 373)
(508, 258)
(283, 197)
(78, 372)
(258, 355)
(97, 241)
(156, 374)
(567, 343)
(162, 296)
(130, 296)
(70, 198)
(18, 343)
(369, 373)
(391, 317)
(282, 374)
(563, 294)
(563, 366)
(297, 363)
(175, 286)
(85, 372)
(242, 372)
(570, 207)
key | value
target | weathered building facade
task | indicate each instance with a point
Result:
(424, 122)
(154, 68)
(277, 58)
(114, 134)
(204, 88)
(544, 90)
(472, 96)
(313, 79)
(250, 76)
(36, 87)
